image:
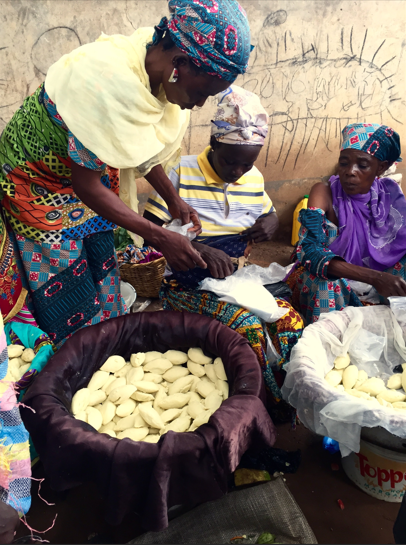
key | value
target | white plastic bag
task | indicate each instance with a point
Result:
(266, 275)
(176, 227)
(249, 294)
(246, 289)
(365, 292)
(398, 307)
(376, 343)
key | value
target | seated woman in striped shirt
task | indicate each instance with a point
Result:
(227, 190)
(224, 187)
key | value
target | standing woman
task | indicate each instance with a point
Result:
(118, 103)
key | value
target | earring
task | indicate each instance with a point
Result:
(174, 76)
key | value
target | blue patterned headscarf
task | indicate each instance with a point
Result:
(215, 34)
(378, 140)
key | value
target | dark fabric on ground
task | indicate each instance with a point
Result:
(183, 468)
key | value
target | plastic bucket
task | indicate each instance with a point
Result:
(379, 472)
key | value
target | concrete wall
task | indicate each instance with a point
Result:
(317, 66)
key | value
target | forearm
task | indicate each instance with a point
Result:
(162, 185)
(111, 207)
(313, 251)
(272, 224)
(153, 219)
(342, 269)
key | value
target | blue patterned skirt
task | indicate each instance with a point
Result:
(70, 284)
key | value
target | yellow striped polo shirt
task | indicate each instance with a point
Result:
(224, 209)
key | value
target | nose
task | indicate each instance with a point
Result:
(351, 170)
(237, 172)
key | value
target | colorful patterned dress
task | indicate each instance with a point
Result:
(15, 463)
(64, 251)
(314, 291)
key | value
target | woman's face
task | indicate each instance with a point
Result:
(357, 171)
(231, 162)
(192, 88)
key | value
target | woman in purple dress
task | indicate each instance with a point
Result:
(354, 227)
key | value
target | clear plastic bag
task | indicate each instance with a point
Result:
(398, 307)
(365, 292)
(376, 343)
(266, 275)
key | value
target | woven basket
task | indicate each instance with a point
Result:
(146, 278)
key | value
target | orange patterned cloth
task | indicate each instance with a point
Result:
(284, 333)
(12, 293)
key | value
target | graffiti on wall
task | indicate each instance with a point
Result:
(312, 88)
(312, 81)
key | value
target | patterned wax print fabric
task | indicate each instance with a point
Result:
(284, 333)
(76, 150)
(35, 178)
(314, 292)
(378, 140)
(12, 293)
(29, 336)
(72, 284)
(132, 254)
(64, 251)
(15, 464)
(215, 34)
(240, 118)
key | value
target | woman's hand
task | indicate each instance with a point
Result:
(179, 209)
(87, 186)
(389, 285)
(218, 262)
(263, 229)
(178, 251)
(9, 521)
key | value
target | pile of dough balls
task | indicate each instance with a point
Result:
(151, 394)
(19, 361)
(348, 378)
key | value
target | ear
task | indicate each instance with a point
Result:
(383, 167)
(213, 143)
(180, 60)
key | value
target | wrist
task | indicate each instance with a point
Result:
(158, 237)
(373, 276)
(201, 248)
(172, 197)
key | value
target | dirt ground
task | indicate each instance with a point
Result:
(271, 252)
(315, 486)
